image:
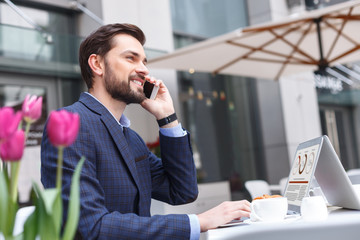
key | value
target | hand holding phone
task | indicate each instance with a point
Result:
(150, 90)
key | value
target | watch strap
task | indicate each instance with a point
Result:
(167, 120)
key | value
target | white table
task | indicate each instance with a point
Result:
(341, 224)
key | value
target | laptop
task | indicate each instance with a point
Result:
(316, 162)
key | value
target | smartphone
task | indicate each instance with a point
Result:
(150, 90)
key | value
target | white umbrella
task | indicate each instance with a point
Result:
(311, 41)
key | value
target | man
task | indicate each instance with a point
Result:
(120, 175)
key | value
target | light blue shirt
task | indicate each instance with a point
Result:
(176, 131)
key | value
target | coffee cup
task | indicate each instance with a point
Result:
(313, 208)
(269, 209)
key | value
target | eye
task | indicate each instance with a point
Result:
(132, 58)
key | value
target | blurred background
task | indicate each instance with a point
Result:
(242, 128)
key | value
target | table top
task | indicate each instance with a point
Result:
(340, 224)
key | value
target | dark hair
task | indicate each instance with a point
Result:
(100, 42)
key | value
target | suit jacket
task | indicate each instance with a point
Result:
(120, 176)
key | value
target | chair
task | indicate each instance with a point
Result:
(257, 188)
(354, 175)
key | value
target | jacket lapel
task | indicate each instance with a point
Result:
(115, 131)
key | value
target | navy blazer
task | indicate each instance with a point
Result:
(120, 176)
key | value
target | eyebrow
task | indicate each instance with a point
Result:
(135, 54)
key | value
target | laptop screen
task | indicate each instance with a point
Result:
(301, 174)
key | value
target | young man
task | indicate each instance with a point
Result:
(120, 175)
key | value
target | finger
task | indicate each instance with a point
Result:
(244, 203)
(244, 206)
(150, 79)
(158, 82)
(247, 208)
(241, 213)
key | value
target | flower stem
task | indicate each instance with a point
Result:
(59, 167)
(15, 169)
(27, 129)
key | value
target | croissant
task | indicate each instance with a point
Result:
(267, 196)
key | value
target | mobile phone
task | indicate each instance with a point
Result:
(150, 90)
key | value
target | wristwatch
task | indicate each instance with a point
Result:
(167, 120)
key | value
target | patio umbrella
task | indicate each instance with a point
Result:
(312, 41)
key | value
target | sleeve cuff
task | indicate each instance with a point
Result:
(176, 131)
(194, 227)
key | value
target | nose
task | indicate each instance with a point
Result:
(142, 69)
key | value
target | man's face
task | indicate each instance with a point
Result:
(125, 70)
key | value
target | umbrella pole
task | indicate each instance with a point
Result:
(322, 62)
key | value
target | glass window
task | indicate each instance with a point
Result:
(50, 21)
(56, 44)
(220, 112)
(14, 95)
(71, 89)
(208, 18)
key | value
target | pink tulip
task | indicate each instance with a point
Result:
(63, 127)
(9, 122)
(31, 108)
(13, 148)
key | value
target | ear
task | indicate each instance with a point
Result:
(95, 63)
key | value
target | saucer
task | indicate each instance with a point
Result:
(287, 219)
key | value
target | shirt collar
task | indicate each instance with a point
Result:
(124, 121)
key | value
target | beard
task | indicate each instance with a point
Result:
(120, 89)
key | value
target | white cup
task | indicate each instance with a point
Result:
(269, 209)
(313, 208)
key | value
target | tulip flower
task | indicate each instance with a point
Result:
(31, 108)
(63, 127)
(9, 122)
(13, 148)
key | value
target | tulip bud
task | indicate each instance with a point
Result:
(31, 108)
(13, 148)
(63, 127)
(9, 122)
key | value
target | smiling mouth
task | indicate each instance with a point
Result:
(137, 82)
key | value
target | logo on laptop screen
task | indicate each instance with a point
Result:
(302, 163)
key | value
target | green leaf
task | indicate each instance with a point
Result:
(49, 208)
(31, 226)
(49, 197)
(3, 202)
(10, 220)
(19, 237)
(8, 208)
(74, 204)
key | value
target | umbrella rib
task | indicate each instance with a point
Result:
(357, 47)
(352, 17)
(260, 49)
(261, 29)
(277, 61)
(342, 34)
(293, 46)
(339, 32)
(295, 49)
(252, 49)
